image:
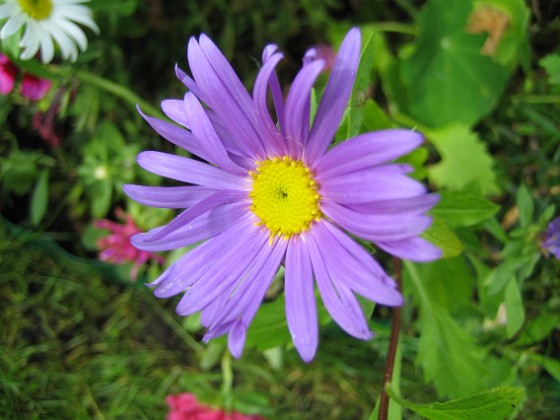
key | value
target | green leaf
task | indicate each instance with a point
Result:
(514, 308)
(447, 77)
(448, 354)
(436, 277)
(375, 118)
(270, 329)
(100, 194)
(538, 329)
(441, 236)
(464, 160)
(496, 404)
(524, 202)
(552, 366)
(461, 208)
(360, 91)
(506, 271)
(40, 197)
(551, 63)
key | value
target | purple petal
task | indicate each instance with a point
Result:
(176, 135)
(276, 91)
(347, 262)
(413, 249)
(227, 270)
(381, 183)
(175, 110)
(221, 198)
(276, 145)
(190, 171)
(336, 95)
(365, 151)
(189, 83)
(203, 227)
(373, 227)
(301, 310)
(341, 304)
(225, 94)
(167, 197)
(206, 136)
(248, 294)
(297, 107)
(419, 204)
(244, 306)
(192, 266)
(236, 338)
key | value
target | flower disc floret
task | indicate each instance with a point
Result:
(36, 9)
(284, 196)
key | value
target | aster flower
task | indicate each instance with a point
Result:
(186, 407)
(273, 193)
(116, 248)
(551, 242)
(46, 21)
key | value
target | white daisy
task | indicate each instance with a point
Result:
(45, 21)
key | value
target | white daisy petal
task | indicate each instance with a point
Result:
(12, 26)
(73, 31)
(59, 25)
(30, 41)
(47, 47)
(65, 2)
(8, 9)
(67, 46)
(78, 14)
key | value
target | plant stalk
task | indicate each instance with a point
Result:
(395, 330)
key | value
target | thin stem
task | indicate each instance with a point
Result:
(119, 91)
(395, 330)
(227, 380)
(397, 27)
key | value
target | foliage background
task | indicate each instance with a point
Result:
(80, 340)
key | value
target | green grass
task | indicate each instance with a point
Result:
(80, 344)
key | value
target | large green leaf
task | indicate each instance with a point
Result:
(514, 308)
(360, 91)
(448, 354)
(441, 236)
(447, 77)
(496, 404)
(462, 208)
(40, 197)
(464, 160)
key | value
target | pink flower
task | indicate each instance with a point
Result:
(186, 407)
(43, 122)
(8, 74)
(116, 248)
(32, 87)
(323, 52)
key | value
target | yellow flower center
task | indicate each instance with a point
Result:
(284, 196)
(36, 9)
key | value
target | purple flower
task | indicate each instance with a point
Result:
(273, 193)
(551, 243)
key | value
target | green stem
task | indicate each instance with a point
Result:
(119, 91)
(227, 381)
(393, 344)
(401, 28)
(536, 99)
